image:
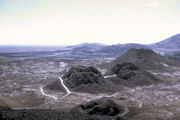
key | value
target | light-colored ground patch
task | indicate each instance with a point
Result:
(164, 64)
(177, 73)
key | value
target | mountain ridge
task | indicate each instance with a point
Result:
(172, 42)
(144, 58)
(95, 50)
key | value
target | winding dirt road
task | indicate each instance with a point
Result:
(126, 110)
(68, 92)
(47, 95)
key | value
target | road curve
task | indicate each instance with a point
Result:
(65, 87)
(67, 90)
(126, 110)
(44, 94)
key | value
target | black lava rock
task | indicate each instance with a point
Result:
(125, 70)
(121, 118)
(76, 69)
(130, 75)
(76, 79)
(81, 75)
(124, 66)
(7, 113)
(126, 74)
(105, 107)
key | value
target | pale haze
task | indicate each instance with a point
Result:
(68, 22)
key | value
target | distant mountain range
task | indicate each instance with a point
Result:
(169, 45)
(90, 50)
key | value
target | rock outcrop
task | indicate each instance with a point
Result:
(86, 80)
(108, 108)
(76, 69)
(146, 59)
(101, 107)
(7, 113)
(81, 75)
(125, 70)
(131, 75)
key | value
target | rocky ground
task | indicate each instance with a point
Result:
(21, 79)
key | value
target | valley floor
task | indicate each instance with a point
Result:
(21, 81)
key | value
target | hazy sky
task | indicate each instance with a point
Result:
(66, 22)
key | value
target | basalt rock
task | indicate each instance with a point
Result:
(102, 107)
(76, 69)
(7, 113)
(124, 66)
(126, 74)
(143, 58)
(125, 70)
(130, 75)
(81, 75)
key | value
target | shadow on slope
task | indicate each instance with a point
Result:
(86, 80)
(130, 75)
(143, 58)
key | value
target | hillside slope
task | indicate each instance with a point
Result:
(143, 58)
(169, 45)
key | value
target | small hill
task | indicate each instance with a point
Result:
(90, 80)
(55, 85)
(119, 49)
(86, 80)
(77, 76)
(81, 75)
(130, 75)
(101, 107)
(143, 58)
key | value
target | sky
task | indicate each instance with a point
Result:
(68, 22)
